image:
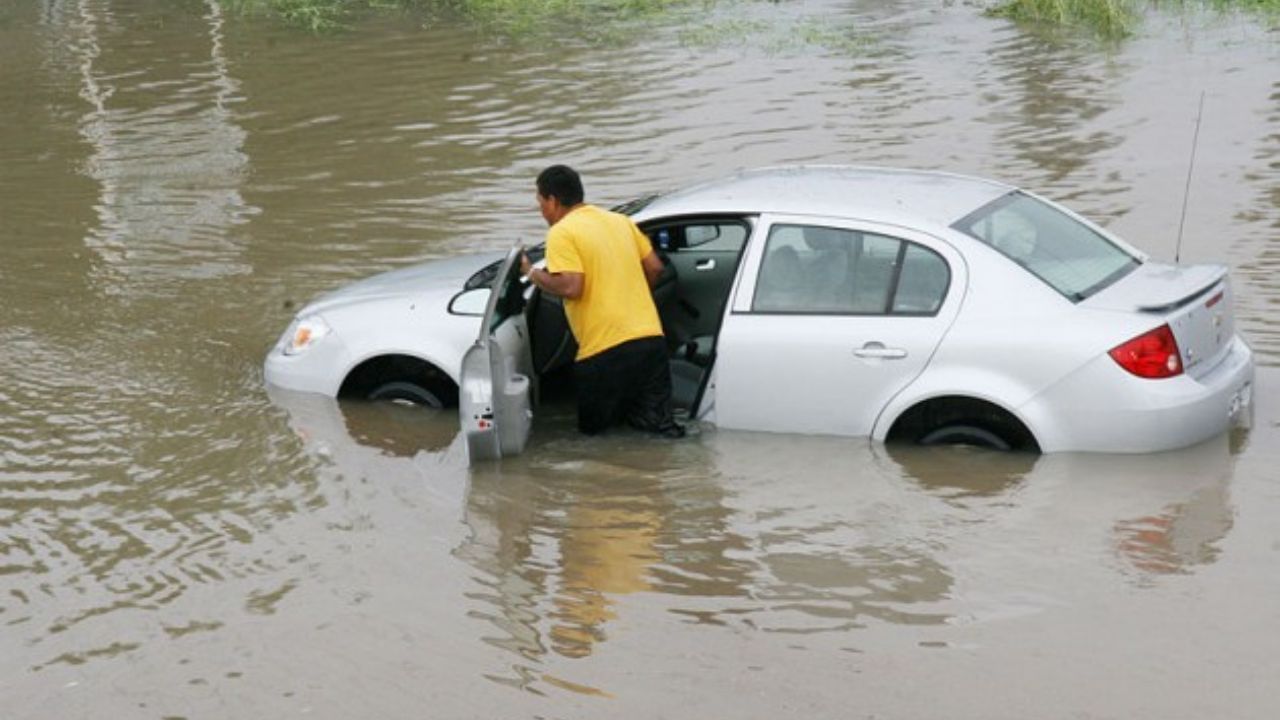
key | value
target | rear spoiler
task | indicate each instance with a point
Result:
(1202, 279)
(1159, 288)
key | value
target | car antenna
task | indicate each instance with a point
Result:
(1186, 191)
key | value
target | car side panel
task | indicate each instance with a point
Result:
(803, 373)
(318, 370)
(1102, 408)
(823, 373)
(1013, 337)
(423, 329)
(1021, 346)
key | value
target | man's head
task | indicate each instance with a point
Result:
(559, 191)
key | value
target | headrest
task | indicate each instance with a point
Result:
(823, 238)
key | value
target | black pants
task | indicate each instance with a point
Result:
(630, 382)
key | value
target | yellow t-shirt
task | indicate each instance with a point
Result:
(616, 304)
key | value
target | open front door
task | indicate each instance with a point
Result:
(494, 399)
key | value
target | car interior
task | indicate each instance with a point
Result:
(700, 258)
(806, 269)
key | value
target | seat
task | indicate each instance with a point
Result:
(782, 281)
(830, 276)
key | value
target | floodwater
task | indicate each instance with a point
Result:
(176, 542)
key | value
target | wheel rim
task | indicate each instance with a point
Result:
(406, 392)
(965, 435)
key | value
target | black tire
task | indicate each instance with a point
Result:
(965, 435)
(404, 391)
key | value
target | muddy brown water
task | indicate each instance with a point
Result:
(177, 542)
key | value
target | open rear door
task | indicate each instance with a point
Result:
(494, 399)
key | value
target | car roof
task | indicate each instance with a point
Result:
(887, 195)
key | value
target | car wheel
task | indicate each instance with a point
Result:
(403, 391)
(964, 435)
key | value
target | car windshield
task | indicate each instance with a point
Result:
(1070, 256)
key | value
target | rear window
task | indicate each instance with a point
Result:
(1065, 253)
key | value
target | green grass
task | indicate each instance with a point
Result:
(1267, 6)
(523, 16)
(313, 15)
(777, 37)
(516, 16)
(1112, 19)
(1108, 18)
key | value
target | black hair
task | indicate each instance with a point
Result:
(562, 183)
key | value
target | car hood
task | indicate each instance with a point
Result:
(431, 276)
(1157, 287)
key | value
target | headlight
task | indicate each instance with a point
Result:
(304, 333)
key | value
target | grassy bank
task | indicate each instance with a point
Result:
(511, 15)
(311, 14)
(1112, 18)
(1107, 18)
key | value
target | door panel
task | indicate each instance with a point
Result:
(831, 321)
(494, 400)
(705, 255)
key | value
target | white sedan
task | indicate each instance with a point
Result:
(898, 305)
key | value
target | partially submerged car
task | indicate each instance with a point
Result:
(900, 305)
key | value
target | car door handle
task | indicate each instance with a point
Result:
(878, 350)
(704, 265)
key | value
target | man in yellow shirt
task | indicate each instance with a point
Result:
(605, 268)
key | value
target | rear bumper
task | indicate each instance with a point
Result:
(1102, 408)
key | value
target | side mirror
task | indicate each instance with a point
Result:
(470, 302)
(698, 234)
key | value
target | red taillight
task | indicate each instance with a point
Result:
(1150, 355)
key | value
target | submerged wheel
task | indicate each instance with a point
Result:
(964, 435)
(404, 391)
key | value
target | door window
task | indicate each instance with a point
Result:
(823, 270)
(922, 285)
(510, 293)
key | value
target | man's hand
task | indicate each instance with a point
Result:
(525, 265)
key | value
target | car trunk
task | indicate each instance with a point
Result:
(1195, 301)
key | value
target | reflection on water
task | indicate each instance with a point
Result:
(398, 430)
(166, 151)
(1048, 122)
(727, 532)
(1172, 509)
(174, 181)
(962, 473)
(1180, 537)
(562, 544)
(1185, 533)
(1255, 250)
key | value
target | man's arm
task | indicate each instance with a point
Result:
(563, 284)
(653, 266)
